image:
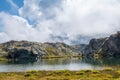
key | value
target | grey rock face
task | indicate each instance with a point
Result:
(93, 46)
(112, 46)
(109, 46)
(26, 49)
(20, 53)
(19, 49)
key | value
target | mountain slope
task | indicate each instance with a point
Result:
(109, 46)
(26, 49)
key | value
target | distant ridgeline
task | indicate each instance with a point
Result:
(102, 47)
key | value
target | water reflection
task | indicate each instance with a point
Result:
(104, 61)
(60, 64)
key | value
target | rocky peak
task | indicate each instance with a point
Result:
(109, 46)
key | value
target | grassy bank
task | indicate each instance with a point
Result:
(106, 74)
(54, 57)
(45, 57)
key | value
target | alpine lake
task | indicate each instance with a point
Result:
(72, 64)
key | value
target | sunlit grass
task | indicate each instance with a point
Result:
(62, 75)
(108, 69)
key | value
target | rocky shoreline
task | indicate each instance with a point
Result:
(102, 47)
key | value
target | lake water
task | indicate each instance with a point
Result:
(60, 64)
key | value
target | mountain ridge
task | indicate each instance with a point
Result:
(103, 47)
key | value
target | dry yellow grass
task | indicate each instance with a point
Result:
(62, 75)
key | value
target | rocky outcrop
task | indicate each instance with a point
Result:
(29, 50)
(109, 46)
(93, 46)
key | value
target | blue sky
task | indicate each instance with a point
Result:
(8, 8)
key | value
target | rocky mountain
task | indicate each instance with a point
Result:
(108, 46)
(93, 46)
(111, 46)
(29, 50)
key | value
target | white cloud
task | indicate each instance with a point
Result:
(67, 19)
(17, 28)
(31, 9)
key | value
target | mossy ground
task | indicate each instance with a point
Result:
(62, 75)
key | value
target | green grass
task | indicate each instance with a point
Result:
(62, 75)
(3, 59)
(108, 69)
